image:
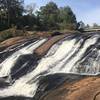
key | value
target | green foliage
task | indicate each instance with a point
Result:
(48, 16)
(10, 12)
(87, 26)
(52, 17)
(67, 19)
(95, 25)
(80, 26)
(11, 33)
(5, 35)
(28, 21)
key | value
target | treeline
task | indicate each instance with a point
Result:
(11, 12)
(48, 17)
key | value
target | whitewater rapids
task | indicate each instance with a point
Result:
(22, 69)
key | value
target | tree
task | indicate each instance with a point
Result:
(3, 15)
(67, 18)
(30, 8)
(28, 21)
(95, 25)
(80, 26)
(48, 16)
(87, 26)
(13, 10)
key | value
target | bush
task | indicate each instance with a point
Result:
(5, 35)
(11, 33)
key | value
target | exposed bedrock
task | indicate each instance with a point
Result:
(63, 67)
(42, 50)
(75, 88)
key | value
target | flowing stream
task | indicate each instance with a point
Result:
(23, 69)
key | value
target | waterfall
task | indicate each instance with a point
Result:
(76, 53)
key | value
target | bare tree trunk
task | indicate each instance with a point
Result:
(8, 15)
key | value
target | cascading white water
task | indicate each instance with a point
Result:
(6, 65)
(69, 55)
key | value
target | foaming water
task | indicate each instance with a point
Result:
(78, 54)
(7, 64)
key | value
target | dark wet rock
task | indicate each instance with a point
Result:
(56, 33)
(50, 83)
(24, 65)
(65, 87)
(87, 88)
(15, 98)
(3, 83)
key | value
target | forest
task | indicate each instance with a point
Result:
(48, 17)
(16, 19)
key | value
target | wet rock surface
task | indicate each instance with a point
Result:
(87, 88)
(53, 83)
(64, 87)
(42, 50)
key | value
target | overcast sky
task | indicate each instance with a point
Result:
(86, 10)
